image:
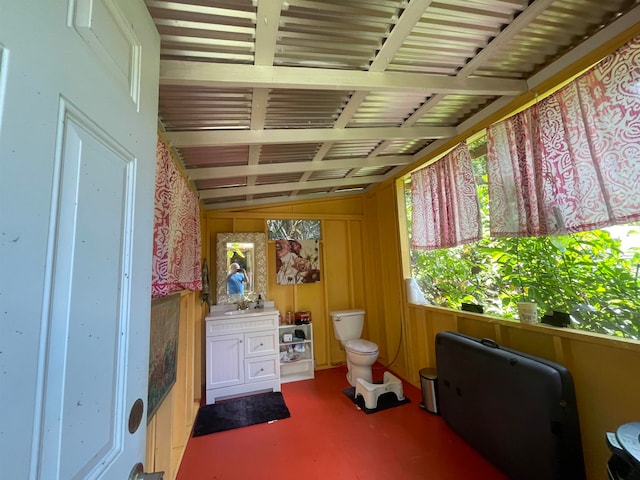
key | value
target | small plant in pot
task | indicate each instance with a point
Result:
(527, 309)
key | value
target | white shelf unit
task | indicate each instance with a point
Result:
(296, 356)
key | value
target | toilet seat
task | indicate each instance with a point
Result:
(361, 345)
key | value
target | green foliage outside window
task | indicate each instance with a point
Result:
(587, 274)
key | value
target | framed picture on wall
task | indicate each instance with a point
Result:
(297, 261)
(165, 318)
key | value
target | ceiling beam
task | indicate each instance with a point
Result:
(399, 33)
(212, 193)
(291, 167)
(218, 75)
(267, 24)
(284, 198)
(259, 103)
(303, 135)
(390, 46)
(501, 41)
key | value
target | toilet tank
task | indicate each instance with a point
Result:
(347, 324)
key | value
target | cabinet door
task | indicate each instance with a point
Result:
(225, 361)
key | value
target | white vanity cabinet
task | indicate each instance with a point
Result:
(241, 353)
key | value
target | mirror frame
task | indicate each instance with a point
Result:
(260, 265)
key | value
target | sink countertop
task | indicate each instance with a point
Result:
(229, 314)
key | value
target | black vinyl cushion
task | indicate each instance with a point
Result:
(517, 410)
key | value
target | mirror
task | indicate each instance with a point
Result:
(241, 266)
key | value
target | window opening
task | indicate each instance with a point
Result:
(592, 275)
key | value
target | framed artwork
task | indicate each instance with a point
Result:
(163, 349)
(297, 261)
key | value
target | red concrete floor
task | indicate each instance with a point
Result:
(327, 437)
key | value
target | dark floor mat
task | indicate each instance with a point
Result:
(240, 412)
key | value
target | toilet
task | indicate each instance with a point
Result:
(361, 354)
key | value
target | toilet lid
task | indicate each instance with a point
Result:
(361, 346)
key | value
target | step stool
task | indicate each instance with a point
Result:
(371, 391)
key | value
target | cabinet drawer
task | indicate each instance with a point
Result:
(239, 323)
(263, 368)
(260, 343)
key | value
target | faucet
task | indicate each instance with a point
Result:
(243, 304)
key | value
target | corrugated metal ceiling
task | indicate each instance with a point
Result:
(270, 101)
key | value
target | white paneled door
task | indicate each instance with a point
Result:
(78, 129)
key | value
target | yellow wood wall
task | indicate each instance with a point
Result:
(604, 369)
(344, 271)
(361, 257)
(169, 429)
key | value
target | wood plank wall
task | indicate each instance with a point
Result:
(604, 369)
(169, 429)
(342, 257)
(363, 255)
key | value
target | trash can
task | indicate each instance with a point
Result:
(429, 384)
(624, 445)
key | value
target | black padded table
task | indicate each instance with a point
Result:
(517, 410)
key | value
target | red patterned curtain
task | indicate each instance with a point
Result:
(176, 230)
(445, 210)
(572, 161)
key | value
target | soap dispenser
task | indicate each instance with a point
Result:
(259, 302)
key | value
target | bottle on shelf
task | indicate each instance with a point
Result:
(290, 318)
